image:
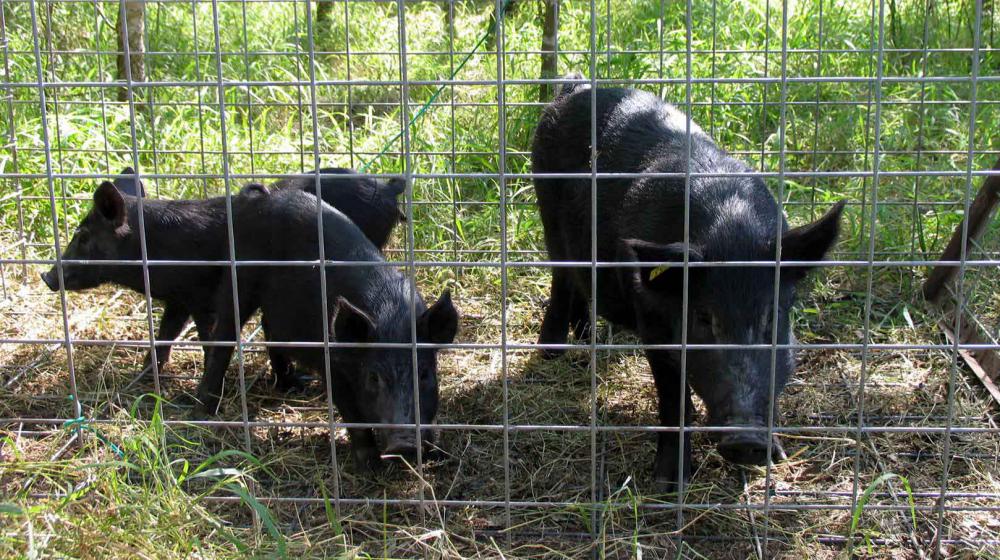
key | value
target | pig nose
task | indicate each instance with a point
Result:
(50, 280)
(744, 448)
(403, 444)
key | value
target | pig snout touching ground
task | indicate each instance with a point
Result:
(367, 305)
(737, 311)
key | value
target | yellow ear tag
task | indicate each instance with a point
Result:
(658, 271)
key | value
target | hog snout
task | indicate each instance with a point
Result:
(51, 279)
(744, 448)
(402, 443)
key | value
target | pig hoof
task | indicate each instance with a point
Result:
(550, 354)
(292, 383)
(778, 454)
(368, 460)
(581, 332)
(667, 484)
(200, 412)
(204, 408)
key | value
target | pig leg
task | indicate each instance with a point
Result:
(286, 377)
(224, 330)
(171, 324)
(363, 444)
(204, 323)
(579, 318)
(555, 324)
(665, 466)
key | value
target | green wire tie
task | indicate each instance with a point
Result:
(83, 423)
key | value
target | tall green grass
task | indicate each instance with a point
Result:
(269, 127)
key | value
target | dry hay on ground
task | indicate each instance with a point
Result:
(903, 389)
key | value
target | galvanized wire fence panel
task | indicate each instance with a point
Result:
(891, 106)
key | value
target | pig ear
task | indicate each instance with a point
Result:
(254, 189)
(128, 183)
(350, 324)
(395, 187)
(668, 277)
(110, 204)
(811, 241)
(440, 321)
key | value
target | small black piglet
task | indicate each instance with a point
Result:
(365, 303)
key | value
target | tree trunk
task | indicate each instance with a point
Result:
(131, 40)
(324, 9)
(550, 47)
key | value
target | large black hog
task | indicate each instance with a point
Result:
(642, 220)
(365, 304)
(196, 230)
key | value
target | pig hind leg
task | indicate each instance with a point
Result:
(556, 322)
(579, 317)
(668, 471)
(562, 310)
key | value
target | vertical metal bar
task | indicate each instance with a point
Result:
(946, 457)
(9, 97)
(452, 181)
(686, 284)
(411, 269)
(201, 110)
(607, 56)
(502, 185)
(869, 286)
(323, 295)
(150, 104)
(767, 73)
(868, 113)
(246, 68)
(711, 110)
(298, 87)
(140, 211)
(227, 181)
(100, 73)
(916, 228)
(816, 110)
(772, 389)
(54, 96)
(350, 89)
(593, 272)
(660, 32)
(67, 335)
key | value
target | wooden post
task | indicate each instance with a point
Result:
(984, 362)
(550, 47)
(131, 40)
(979, 214)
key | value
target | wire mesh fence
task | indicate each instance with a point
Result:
(891, 437)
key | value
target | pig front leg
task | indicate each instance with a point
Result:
(363, 445)
(218, 358)
(172, 322)
(666, 470)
